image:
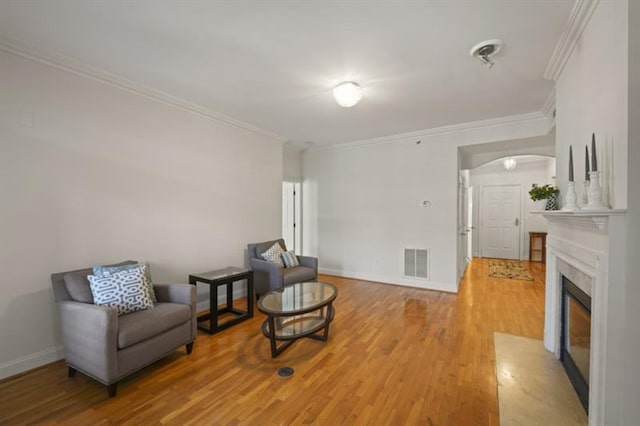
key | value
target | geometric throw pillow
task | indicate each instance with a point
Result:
(274, 254)
(102, 271)
(125, 291)
(290, 259)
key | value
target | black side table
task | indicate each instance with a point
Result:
(215, 279)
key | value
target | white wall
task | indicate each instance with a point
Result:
(291, 164)
(525, 174)
(366, 205)
(591, 97)
(599, 92)
(91, 174)
(362, 202)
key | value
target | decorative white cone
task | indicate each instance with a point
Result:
(570, 198)
(595, 193)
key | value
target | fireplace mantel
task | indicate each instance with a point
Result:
(594, 219)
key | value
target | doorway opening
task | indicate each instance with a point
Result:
(502, 207)
(291, 215)
(530, 160)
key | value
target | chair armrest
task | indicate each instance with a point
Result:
(263, 266)
(175, 293)
(266, 276)
(309, 262)
(90, 336)
(179, 293)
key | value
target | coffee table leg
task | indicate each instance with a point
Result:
(325, 333)
(328, 319)
(275, 350)
(272, 336)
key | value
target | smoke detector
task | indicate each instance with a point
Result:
(485, 50)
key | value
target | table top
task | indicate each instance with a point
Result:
(297, 298)
(229, 271)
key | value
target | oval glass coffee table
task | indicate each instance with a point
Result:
(295, 311)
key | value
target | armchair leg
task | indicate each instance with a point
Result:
(189, 348)
(71, 372)
(112, 389)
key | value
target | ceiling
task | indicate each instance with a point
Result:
(273, 64)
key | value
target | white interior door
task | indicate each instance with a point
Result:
(500, 221)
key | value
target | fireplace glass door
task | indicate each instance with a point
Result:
(576, 337)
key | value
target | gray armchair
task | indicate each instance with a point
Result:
(268, 276)
(108, 347)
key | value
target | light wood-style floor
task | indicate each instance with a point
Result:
(395, 356)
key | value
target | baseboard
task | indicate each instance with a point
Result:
(38, 359)
(31, 361)
(385, 279)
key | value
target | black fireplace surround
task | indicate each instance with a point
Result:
(576, 338)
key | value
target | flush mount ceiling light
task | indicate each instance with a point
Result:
(509, 163)
(347, 94)
(485, 50)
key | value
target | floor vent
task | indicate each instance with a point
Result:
(416, 263)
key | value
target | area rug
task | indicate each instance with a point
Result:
(512, 269)
(533, 388)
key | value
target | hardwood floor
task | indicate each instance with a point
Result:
(395, 356)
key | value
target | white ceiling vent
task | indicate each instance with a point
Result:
(416, 263)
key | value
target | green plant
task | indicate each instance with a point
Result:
(541, 192)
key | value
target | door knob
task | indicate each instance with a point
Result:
(517, 221)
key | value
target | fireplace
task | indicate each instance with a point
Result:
(575, 340)
(580, 252)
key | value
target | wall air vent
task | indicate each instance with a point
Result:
(416, 263)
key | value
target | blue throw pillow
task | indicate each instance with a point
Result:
(290, 259)
(102, 271)
(125, 290)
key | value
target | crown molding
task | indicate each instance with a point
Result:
(578, 20)
(549, 106)
(293, 146)
(444, 130)
(65, 63)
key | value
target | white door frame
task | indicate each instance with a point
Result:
(291, 215)
(464, 227)
(469, 221)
